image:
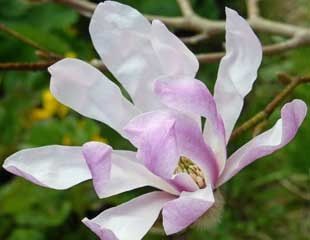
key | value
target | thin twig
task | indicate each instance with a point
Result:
(269, 109)
(294, 189)
(85, 8)
(18, 66)
(260, 128)
(26, 40)
(253, 9)
(195, 38)
(41, 65)
(186, 7)
(267, 50)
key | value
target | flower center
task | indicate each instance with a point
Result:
(188, 166)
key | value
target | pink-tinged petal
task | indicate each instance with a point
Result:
(178, 214)
(191, 96)
(58, 167)
(175, 57)
(184, 182)
(86, 90)
(292, 116)
(163, 136)
(237, 70)
(131, 220)
(98, 158)
(114, 172)
(121, 36)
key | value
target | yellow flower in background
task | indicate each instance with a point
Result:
(70, 54)
(96, 137)
(50, 107)
(66, 140)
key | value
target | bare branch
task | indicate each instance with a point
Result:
(18, 66)
(298, 36)
(85, 8)
(253, 9)
(269, 109)
(267, 50)
(289, 44)
(192, 40)
(41, 65)
(210, 57)
(176, 22)
(186, 7)
(294, 189)
(260, 128)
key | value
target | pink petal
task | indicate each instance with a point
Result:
(184, 182)
(86, 90)
(182, 212)
(121, 36)
(175, 57)
(163, 136)
(115, 172)
(292, 116)
(58, 167)
(192, 96)
(238, 69)
(131, 220)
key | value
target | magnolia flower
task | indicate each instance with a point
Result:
(173, 154)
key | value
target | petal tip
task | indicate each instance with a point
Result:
(230, 12)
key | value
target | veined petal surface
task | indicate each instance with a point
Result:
(131, 220)
(86, 90)
(58, 167)
(175, 58)
(237, 70)
(121, 36)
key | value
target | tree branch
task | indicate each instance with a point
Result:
(206, 28)
(18, 66)
(253, 9)
(268, 50)
(195, 38)
(85, 8)
(270, 108)
(186, 7)
(41, 65)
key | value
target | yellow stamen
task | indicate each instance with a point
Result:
(188, 166)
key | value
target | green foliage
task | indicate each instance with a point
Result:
(258, 203)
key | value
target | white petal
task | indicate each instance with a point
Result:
(131, 220)
(121, 36)
(86, 90)
(238, 69)
(57, 167)
(175, 57)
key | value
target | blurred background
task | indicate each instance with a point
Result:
(268, 200)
